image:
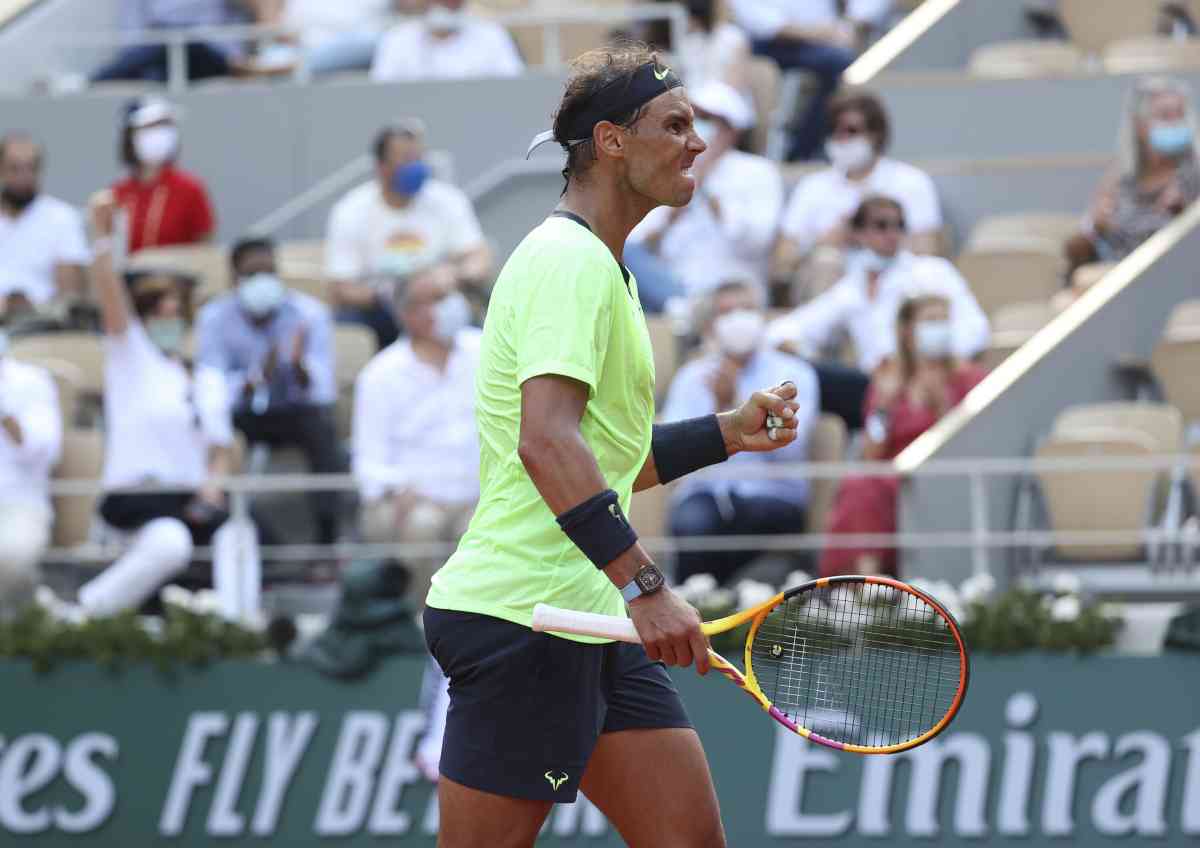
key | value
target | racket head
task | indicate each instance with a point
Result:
(858, 663)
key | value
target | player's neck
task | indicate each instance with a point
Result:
(610, 210)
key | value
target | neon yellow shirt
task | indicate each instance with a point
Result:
(560, 306)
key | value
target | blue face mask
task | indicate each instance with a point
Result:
(408, 180)
(1170, 139)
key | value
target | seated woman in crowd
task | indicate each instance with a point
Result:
(165, 423)
(1156, 176)
(907, 396)
(164, 204)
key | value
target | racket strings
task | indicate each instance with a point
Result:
(858, 663)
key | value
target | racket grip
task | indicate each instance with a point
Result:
(546, 617)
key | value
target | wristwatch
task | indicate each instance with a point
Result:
(647, 581)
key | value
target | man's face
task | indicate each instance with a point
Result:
(882, 230)
(20, 169)
(258, 261)
(733, 300)
(423, 292)
(851, 124)
(660, 150)
(401, 150)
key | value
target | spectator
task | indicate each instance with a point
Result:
(862, 305)
(814, 227)
(30, 443)
(711, 49)
(737, 364)
(43, 247)
(402, 220)
(166, 423)
(275, 349)
(727, 230)
(808, 35)
(150, 61)
(906, 398)
(164, 204)
(1156, 178)
(447, 42)
(325, 37)
(416, 455)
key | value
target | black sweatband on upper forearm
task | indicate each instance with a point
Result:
(682, 447)
(599, 528)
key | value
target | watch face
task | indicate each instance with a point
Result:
(649, 579)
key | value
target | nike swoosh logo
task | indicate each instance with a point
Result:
(660, 76)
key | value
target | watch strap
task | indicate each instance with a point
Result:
(631, 590)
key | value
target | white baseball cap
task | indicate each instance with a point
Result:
(726, 102)
(150, 110)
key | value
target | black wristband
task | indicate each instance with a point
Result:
(682, 447)
(599, 528)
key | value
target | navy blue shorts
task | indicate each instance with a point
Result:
(526, 708)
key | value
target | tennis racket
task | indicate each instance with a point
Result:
(869, 665)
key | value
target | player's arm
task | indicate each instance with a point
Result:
(563, 468)
(765, 422)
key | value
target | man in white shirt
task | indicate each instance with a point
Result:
(815, 223)
(401, 221)
(752, 505)
(43, 247)
(727, 231)
(863, 304)
(415, 450)
(30, 443)
(446, 43)
(325, 37)
(808, 35)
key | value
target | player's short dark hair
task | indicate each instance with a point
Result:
(871, 107)
(875, 201)
(250, 244)
(591, 72)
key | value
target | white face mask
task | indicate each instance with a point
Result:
(261, 294)
(440, 19)
(852, 154)
(868, 260)
(933, 339)
(156, 145)
(166, 334)
(450, 314)
(739, 332)
(707, 130)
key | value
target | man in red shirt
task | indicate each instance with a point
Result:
(166, 205)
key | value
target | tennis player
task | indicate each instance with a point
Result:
(565, 408)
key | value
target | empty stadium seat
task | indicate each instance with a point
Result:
(826, 444)
(1161, 423)
(1184, 321)
(304, 256)
(1017, 271)
(1012, 325)
(1095, 24)
(1098, 500)
(209, 263)
(314, 285)
(1152, 55)
(1175, 363)
(1039, 58)
(82, 459)
(1053, 226)
(1086, 276)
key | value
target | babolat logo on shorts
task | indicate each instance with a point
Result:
(556, 779)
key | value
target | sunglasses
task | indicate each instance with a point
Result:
(883, 226)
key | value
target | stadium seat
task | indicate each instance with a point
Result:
(1086, 276)
(666, 352)
(82, 459)
(827, 444)
(1041, 58)
(314, 285)
(1015, 271)
(1152, 55)
(764, 79)
(1175, 363)
(1098, 500)
(1161, 423)
(353, 348)
(68, 382)
(1012, 326)
(1095, 24)
(209, 263)
(83, 351)
(303, 256)
(1184, 321)
(1053, 226)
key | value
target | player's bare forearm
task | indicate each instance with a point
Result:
(648, 477)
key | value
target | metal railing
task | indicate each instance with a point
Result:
(550, 21)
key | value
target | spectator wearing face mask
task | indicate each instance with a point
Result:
(809, 35)
(815, 230)
(862, 306)
(325, 37)
(166, 423)
(164, 204)
(30, 444)
(727, 230)
(43, 247)
(737, 361)
(1157, 177)
(447, 42)
(274, 347)
(403, 220)
(150, 62)
(906, 398)
(416, 454)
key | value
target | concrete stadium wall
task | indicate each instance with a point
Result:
(970, 24)
(1005, 416)
(27, 46)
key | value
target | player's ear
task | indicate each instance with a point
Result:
(609, 138)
